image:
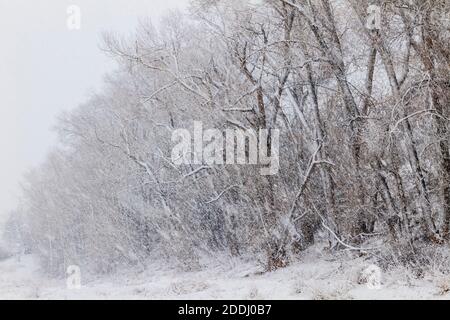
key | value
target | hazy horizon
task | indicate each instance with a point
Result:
(48, 68)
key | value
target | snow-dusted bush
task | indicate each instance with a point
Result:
(4, 254)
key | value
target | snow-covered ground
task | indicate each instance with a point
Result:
(313, 277)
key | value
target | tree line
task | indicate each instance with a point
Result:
(363, 116)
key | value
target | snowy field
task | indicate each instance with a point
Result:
(309, 278)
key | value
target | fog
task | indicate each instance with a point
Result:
(47, 68)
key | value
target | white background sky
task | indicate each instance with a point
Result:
(45, 69)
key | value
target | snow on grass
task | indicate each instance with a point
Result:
(315, 276)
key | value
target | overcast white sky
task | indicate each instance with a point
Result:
(45, 69)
